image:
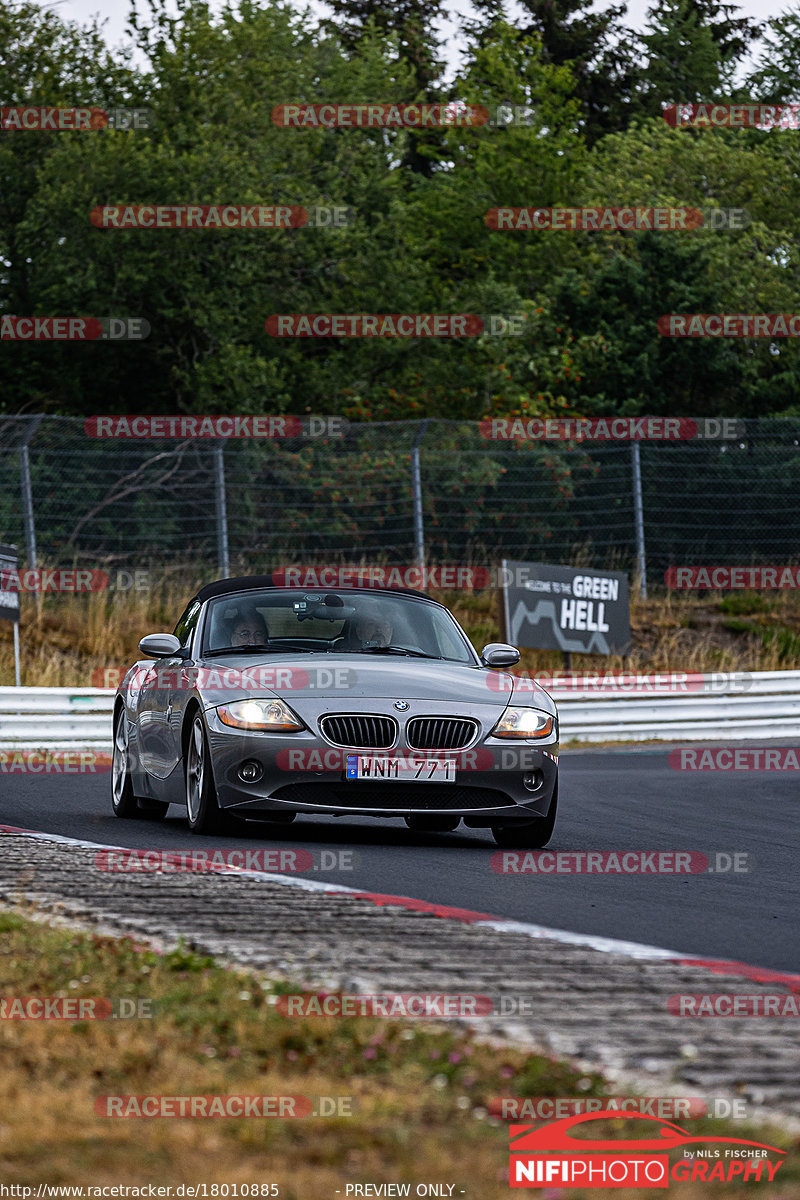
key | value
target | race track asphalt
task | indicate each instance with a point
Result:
(610, 800)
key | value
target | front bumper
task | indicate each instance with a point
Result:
(495, 781)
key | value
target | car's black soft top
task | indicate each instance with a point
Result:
(221, 587)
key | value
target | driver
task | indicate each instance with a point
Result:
(248, 629)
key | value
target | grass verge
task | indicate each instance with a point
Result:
(422, 1096)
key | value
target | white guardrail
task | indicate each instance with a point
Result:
(746, 707)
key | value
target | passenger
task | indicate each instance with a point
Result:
(373, 630)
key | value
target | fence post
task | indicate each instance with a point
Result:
(222, 510)
(638, 509)
(416, 488)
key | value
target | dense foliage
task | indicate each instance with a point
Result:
(418, 241)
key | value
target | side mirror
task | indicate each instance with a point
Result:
(159, 645)
(499, 654)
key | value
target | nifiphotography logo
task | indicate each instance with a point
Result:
(558, 1154)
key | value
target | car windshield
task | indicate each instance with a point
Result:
(297, 621)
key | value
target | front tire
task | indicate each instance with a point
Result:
(533, 835)
(205, 815)
(123, 801)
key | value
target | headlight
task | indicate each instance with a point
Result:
(523, 723)
(271, 716)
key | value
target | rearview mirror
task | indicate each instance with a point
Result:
(323, 612)
(499, 654)
(159, 645)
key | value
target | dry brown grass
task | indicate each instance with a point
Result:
(66, 640)
(422, 1093)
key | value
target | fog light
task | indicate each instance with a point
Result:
(250, 771)
(533, 781)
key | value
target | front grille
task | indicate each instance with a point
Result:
(439, 733)
(417, 797)
(360, 732)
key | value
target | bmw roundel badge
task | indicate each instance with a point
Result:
(401, 705)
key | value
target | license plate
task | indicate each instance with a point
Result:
(410, 770)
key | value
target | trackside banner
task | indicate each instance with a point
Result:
(566, 608)
(9, 599)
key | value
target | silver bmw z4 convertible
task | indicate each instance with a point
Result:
(268, 701)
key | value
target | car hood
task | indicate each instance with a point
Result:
(358, 677)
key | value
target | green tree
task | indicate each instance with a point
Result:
(45, 61)
(205, 294)
(599, 50)
(409, 30)
(693, 48)
(776, 79)
(743, 259)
